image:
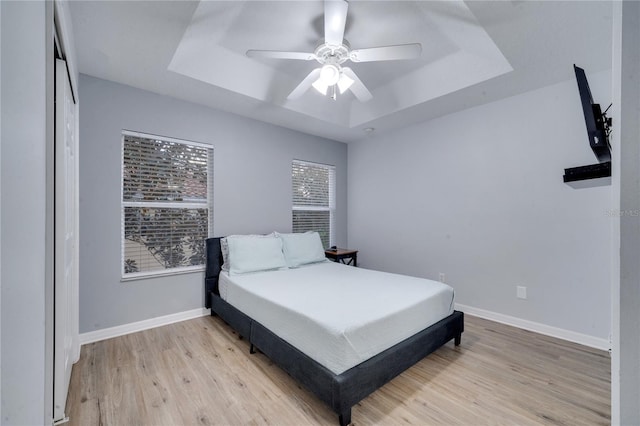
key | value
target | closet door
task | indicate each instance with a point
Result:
(66, 243)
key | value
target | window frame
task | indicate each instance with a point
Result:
(131, 276)
(332, 197)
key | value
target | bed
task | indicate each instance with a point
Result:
(358, 354)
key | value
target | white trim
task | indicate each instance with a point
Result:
(314, 164)
(133, 276)
(166, 139)
(300, 207)
(179, 205)
(64, 33)
(560, 333)
(134, 327)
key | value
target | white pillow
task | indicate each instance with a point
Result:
(301, 249)
(224, 248)
(252, 253)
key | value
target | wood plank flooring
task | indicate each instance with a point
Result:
(199, 372)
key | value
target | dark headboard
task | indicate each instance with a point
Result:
(212, 272)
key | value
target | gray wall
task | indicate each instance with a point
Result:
(479, 196)
(252, 191)
(26, 359)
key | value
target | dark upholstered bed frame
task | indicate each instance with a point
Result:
(339, 391)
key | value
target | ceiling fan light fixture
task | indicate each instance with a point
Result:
(344, 83)
(320, 86)
(333, 51)
(330, 74)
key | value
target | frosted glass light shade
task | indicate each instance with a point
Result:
(344, 83)
(330, 74)
(320, 86)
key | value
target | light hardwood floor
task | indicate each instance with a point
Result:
(199, 372)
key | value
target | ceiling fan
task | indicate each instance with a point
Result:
(332, 77)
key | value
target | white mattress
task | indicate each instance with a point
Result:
(336, 314)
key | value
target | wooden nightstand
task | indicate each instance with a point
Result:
(346, 256)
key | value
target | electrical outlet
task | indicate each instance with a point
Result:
(521, 292)
(441, 277)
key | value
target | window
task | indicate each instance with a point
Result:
(167, 204)
(314, 199)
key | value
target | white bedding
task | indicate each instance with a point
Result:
(338, 315)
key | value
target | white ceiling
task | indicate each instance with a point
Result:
(473, 52)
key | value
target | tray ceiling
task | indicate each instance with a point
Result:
(472, 53)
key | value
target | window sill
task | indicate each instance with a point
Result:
(151, 275)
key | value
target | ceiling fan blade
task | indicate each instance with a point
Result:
(277, 54)
(335, 20)
(305, 84)
(357, 87)
(387, 53)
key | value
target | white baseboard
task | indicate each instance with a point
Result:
(572, 336)
(120, 330)
(560, 333)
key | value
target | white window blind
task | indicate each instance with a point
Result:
(314, 199)
(167, 199)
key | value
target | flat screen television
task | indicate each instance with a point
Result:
(597, 122)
